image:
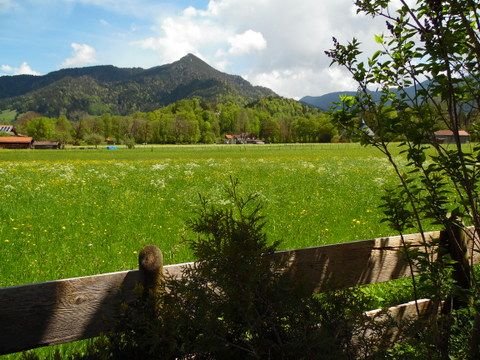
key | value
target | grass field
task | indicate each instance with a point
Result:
(78, 212)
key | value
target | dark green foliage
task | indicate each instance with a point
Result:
(94, 139)
(433, 47)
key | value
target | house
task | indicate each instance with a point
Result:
(16, 142)
(255, 141)
(8, 129)
(243, 138)
(447, 136)
(46, 145)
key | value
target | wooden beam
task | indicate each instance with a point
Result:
(394, 321)
(61, 311)
(74, 309)
(351, 264)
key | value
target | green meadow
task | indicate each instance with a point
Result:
(69, 213)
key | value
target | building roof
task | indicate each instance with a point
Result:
(450, 133)
(7, 129)
(45, 143)
(15, 139)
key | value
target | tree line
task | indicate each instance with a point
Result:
(189, 121)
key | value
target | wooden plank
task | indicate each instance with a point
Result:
(350, 264)
(394, 321)
(66, 310)
(60, 311)
(73, 309)
(406, 311)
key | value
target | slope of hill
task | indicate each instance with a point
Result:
(99, 89)
(327, 101)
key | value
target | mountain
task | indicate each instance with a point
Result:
(100, 89)
(327, 101)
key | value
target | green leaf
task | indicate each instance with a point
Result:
(379, 39)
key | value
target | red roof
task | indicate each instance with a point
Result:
(450, 133)
(15, 139)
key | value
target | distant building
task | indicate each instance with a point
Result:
(15, 142)
(243, 138)
(8, 129)
(447, 136)
(46, 145)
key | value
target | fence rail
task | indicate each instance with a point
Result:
(66, 310)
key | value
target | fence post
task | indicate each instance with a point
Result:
(150, 263)
(453, 242)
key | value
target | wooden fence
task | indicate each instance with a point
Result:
(73, 309)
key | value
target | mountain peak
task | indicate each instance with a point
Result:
(191, 59)
(122, 90)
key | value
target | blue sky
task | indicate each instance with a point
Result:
(275, 43)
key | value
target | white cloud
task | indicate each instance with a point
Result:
(182, 35)
(302, 81)
(7, 69)
(246, 42)
(292, 62)
(279, 44)
(23, 69)
(83, 54)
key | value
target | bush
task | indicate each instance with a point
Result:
(130, 143)
(234, 302)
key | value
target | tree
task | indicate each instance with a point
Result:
(234, 302)
(141, 130)
(121, 128)
(306, 129)
(79, 131)
(63, 130)
(227, 114)
(269, 130)
(41, 128)
(287, 126)
(427, 71)
(94, 139)
(184, 129)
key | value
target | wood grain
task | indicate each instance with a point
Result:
(66, 310)
(350, 264)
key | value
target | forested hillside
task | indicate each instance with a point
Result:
(99, 90)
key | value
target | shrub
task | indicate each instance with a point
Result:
(234, 302)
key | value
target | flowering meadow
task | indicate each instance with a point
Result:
(68, 213)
